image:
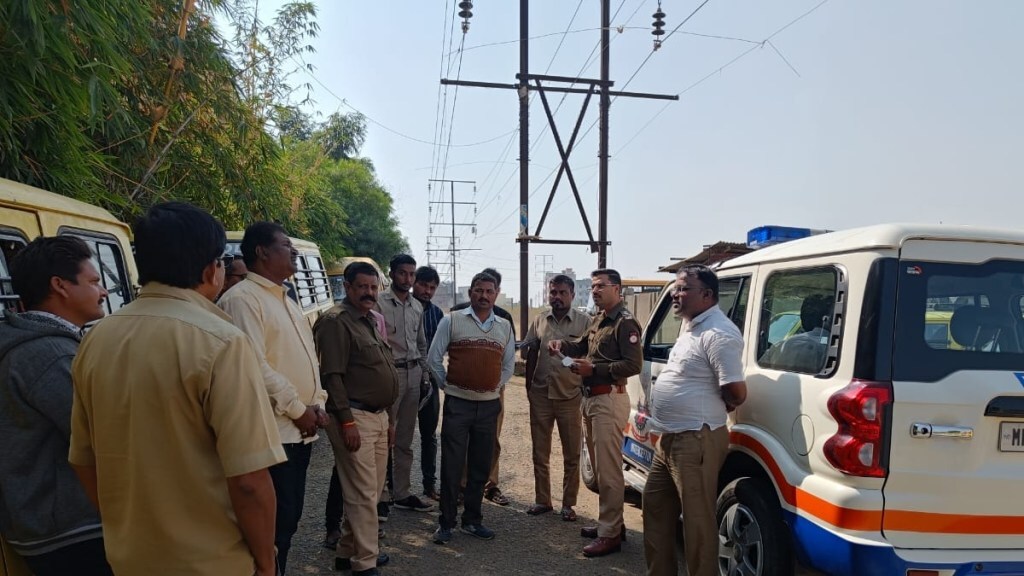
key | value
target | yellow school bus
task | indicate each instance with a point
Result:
(309, 287)
(336, 274)
(27, 212)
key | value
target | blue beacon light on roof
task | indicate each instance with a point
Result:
(770, 235)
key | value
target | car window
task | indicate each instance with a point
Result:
(311, 282)
(952, 317)
(798, 319)
(662, 332)
(9, 246)
(107, 259)
(733, 294)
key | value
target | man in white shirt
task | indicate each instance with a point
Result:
(702, 381)
(260, 307)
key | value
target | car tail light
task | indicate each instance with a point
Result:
(859, 408)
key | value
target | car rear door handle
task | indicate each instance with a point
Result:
(926, 430)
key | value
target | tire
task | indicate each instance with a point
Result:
(586, 466)
(754, 540)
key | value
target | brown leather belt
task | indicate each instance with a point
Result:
(600, 389)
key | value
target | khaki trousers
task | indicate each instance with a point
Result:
(684, 478)
(404, 413)
(604, 417)
(545, 413)
(362, 478)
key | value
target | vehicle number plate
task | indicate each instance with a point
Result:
(1011, 436)
(642, 454)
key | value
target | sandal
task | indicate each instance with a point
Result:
(568, 514)
(538, 509)
(494, 495)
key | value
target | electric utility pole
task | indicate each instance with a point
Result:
(453, 247)
(542, 85)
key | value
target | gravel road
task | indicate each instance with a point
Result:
(523, 545)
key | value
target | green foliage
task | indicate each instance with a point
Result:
(373, 228)
(126, 103)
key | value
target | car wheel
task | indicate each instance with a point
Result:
(753, 539)
(586, 466)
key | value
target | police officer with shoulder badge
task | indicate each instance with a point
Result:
(607, 355)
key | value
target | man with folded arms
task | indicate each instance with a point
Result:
(357, 368)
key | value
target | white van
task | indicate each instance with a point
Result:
(883, 450)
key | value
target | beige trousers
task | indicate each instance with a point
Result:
(604, 418)
(545, 413)
(684, 478)
(362, 478)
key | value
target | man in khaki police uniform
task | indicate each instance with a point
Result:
(261, 308)
(403, 321)
(171, 430)
(555, 397)
(358, 371)
(608, 354)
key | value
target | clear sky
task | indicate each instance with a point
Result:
(875, 111)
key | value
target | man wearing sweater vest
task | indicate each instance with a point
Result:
(481, 356)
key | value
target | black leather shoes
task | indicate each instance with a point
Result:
(591, 532)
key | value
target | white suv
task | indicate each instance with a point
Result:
(894, 443)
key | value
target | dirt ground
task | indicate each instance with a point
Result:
(523, 545)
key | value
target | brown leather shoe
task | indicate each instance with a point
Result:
(602, 547)
(591, 532)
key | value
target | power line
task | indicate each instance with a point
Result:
(495, 224)
(651, 53)
(455, 100)
(439, 110)
(371, 120)
(721, 68)
(587, 63)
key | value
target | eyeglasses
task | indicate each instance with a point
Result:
(680, 289)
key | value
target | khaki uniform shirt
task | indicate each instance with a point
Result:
(283, 340)
(559, 382)
(169, 401)
(612, 345)
(355, 361)
(404, 322)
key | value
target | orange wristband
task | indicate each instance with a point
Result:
(348, 424)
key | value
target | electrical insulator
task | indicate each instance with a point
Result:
(466, 13)
(659, 24)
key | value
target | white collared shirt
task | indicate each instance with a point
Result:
(707, 355)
